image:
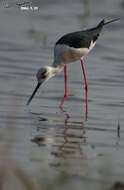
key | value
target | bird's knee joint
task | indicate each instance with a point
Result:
(86, 86)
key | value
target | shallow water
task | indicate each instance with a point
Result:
(53, 141)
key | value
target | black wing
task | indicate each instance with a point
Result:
(81, 39)
(76, 40)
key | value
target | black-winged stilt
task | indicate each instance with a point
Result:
(69, 48)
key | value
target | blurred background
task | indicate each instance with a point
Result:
(41, 146)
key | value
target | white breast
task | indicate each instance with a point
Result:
(65, 54)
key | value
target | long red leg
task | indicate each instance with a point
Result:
(86, 88)
(66, 88)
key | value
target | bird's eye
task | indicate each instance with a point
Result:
(43, 75)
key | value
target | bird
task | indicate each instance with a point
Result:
(69, 48)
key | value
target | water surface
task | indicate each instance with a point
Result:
(48, 140)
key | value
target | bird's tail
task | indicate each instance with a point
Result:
(113, 20)
(97, 30)
(103, 23)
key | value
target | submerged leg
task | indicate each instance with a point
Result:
(86, 88)
(66, 89)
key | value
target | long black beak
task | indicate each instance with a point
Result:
(116, 19)
(35, 90)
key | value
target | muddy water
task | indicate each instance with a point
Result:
(47, 140)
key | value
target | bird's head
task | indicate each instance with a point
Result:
(43, 75)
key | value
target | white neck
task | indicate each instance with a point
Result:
(54, 70)
(57, 67)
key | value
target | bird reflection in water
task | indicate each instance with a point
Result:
(65, 142)
(68, 142)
